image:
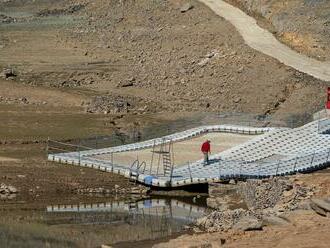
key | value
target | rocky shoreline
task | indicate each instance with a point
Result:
(266, 201)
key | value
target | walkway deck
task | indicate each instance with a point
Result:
(277, 151)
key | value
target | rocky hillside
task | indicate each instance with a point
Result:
(186, 60)
(155, 56)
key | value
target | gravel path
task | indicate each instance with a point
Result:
(263, 41)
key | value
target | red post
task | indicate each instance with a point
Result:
(328, 99)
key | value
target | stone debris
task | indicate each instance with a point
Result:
(139, 190)
(266, 201)
(7, 191)
(278, 193)
(65, 11)
(6, 19)
(20, 100)
(120, 105)
(221, 220)
(108, 104)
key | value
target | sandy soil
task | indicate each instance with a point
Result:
(185, 151)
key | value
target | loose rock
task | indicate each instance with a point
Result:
(8, 73)
(186, 7)
(7, 191)
(273, 220)
(248, 224)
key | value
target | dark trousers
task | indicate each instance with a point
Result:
(206, 157)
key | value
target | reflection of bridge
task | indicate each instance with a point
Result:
(171, 208)
(144, 219)
(277, 151)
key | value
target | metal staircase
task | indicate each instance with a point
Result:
(165, 157)
(167, 163)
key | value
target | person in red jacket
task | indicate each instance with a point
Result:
(206, 149)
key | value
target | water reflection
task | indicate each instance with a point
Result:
(76, 224)
(144, 219)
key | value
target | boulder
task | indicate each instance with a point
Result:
(12, 189)
(106, 246)
(274, 220)
(248, 224)
(186, 7)
(217, 203)
(8, 73)
(324, 204)
(128, 83)
(318, 210)
(232, 181)
(125, 84)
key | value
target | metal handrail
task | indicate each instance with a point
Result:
(135, 161)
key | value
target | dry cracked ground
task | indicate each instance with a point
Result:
(82, 68)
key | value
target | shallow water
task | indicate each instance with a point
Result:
(91, 224)
(40, 23)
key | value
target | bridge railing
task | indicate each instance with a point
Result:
(54, 146)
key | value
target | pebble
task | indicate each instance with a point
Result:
(7, 191)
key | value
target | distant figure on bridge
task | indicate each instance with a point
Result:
(206, 149)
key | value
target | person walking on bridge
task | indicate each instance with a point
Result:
(206, 149)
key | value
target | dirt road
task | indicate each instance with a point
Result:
(263, 41)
